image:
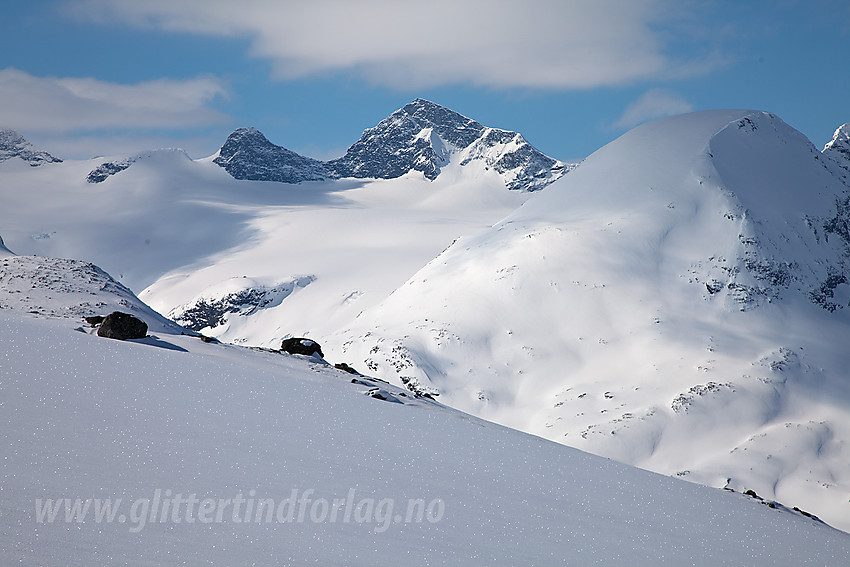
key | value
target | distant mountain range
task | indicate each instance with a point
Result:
(422, 136)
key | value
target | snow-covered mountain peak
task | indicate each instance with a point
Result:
(452, 127)
(13, 145)
(422, 136)
(839, 147)
(674, 295)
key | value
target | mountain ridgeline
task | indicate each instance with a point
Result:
(422, 136)
(13, 145)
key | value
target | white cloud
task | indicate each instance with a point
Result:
(75, 146)
(413, 44)
(33, 103)
(654, 103)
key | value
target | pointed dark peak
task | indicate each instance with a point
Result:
(397, 145)
(453, 127)
(248, 154)
(13, 145)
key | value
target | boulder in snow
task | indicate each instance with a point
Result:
(300, 345)
(122, 326)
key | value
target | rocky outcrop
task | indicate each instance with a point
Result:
(422, 136)
(247, 154)
(13, 145)
(233, 298)
(107, 169)
(301, 345)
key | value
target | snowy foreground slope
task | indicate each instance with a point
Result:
(678, 302)
(212, 454)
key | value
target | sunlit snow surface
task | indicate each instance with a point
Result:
(667, 304)
(86, 417)
(655, 305)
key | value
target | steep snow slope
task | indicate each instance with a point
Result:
(839, 147)
(218, 455)
(678, 302)
(60, 288)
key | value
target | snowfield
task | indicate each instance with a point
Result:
(185, 439)
(678, 302)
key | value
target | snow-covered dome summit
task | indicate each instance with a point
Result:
(675, 302)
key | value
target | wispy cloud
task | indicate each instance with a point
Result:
(68, 104)
(564, 44)
(654, 103)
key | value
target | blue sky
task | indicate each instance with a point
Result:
(96, 77)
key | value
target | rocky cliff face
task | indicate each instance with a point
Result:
(422, 136)
(13, 145)
(247, 154)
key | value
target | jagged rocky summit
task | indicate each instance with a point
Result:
(13, 145)
(422, 136)
(247, 154)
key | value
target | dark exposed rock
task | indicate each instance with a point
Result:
(105, 170)
(210, 312)
(247, 154)
(122, 326)
(345, 367)
(384, 396)
(422, 136)
(95, 320)
(301, 345)
(395, 146)
(14, 145)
